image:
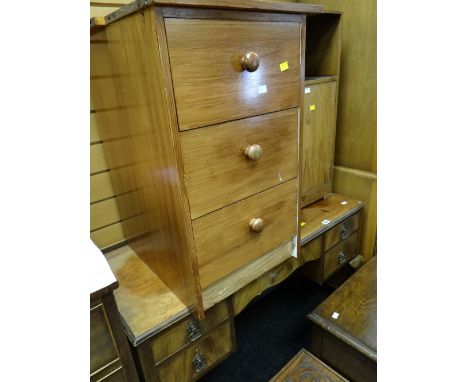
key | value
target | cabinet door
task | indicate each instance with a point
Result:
(318, 140)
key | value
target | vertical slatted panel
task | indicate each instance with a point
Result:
(105, 217)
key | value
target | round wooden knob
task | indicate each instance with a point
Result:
(253, 152)
(256, 225)
(250, 61)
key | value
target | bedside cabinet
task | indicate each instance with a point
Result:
(200, 112)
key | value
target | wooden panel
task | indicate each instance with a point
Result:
(332, 258)
(146, 304)
(361, 185)
(333, 208)
(148, 125)
(275, 276)
(102, 347)
(318, 141)
(100, 187)
(341, 231)
(356, 139)
(304, 367)
(177, 336)
(217, 171)
(209, 84)
(108, 236)
(98, 160)
(225, 241)
(230, 284)
(213, 348)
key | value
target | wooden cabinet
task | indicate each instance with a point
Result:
(318, 137)
(205, 117)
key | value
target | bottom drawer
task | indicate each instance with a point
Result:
(197, 359)
(340, 255)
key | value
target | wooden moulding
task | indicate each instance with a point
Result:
(245, 5)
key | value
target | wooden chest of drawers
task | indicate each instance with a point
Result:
(206, 105)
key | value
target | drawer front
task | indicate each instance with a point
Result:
(221, 162)
(226, 241)
(211, 85)
(102, 347)
(340, 255)
(187, 331)
(341, 231)
(197, 359)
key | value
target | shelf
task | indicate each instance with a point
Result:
(319, 79)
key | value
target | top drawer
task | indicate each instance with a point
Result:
(210, 82)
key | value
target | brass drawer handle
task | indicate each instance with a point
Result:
(345, 232)
(256, 225)
(199, 363)
(194, 332)
(341, 258)
(253, 152)
(250, 61)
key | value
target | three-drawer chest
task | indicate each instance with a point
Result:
(200, 106)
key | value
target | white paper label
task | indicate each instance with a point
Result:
(307, 90)
(325, 222)
(262, 89)
(294, 252)
(335, 315)
(344, 202)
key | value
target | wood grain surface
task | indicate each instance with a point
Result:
(230, 284)
(145, 303)
(177, 336)
(318, 140)
(341, 231)
(356, 303)
(209, 84)
(147, 132)
(276, 275)
(225, 241)
(217, 171)
(346, 250)
(304, 367)
(213, 349)
(333, 208)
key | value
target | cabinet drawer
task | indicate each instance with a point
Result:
(198, 358)
(102, 348)
(341, 231)
(340, 255)
(210, 83)
(187, 331)
(225, 240)
(218, 170)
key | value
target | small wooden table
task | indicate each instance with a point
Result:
(344, 330)
(304, 367)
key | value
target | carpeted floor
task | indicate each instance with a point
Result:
(270, 332)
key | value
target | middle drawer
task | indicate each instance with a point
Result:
(229, 162)
(232, 237)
